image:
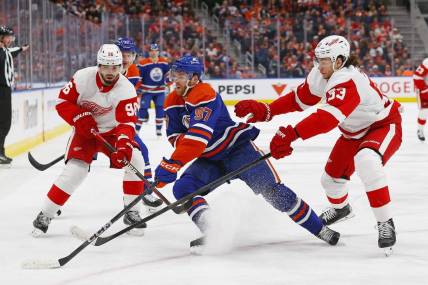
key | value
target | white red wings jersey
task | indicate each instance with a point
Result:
(420, 77)
(349, 96)
(111, 106)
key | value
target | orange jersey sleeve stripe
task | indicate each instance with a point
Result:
(204, 133)
(188, 150)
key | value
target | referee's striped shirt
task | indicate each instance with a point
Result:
(6, 65)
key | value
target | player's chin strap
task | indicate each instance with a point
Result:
(343, 64)
(188, 87)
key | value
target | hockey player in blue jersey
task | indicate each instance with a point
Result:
(199, 127)
(153, 71)
(129, 69)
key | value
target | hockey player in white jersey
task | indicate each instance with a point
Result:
(369, 121)
(97, 98)
(420, 79)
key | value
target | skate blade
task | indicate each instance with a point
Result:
(36, 233)
(136, 232)
(5, 166)
(388, 251)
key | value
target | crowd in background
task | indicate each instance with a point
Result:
(301, 25)
(365, 23)
(195, 36)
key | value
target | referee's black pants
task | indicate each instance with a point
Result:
(5, 114)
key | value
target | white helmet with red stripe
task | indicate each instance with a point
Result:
(332, 47)
(109, 54)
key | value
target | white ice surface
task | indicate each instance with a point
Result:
(253, 243)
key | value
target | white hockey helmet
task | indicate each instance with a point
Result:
(109, 54)
(332, 47)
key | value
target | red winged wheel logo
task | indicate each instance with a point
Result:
(95, 109)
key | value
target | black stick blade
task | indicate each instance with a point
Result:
(42, 167)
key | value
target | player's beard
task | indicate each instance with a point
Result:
(109, 79)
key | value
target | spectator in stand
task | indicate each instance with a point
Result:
(365, 22)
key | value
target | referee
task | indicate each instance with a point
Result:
(6, 83)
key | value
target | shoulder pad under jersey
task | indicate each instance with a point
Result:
(173, 100)
(202, 93)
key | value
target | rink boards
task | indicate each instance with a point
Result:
(233, 90)
(35, 120)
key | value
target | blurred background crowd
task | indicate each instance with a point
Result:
(236, 38)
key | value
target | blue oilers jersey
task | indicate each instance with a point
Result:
(153, 75)
(202, 122)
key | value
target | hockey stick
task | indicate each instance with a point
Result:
(216, 183)
(56, 263)
(151, 186)
(45, 264)
(39, 166)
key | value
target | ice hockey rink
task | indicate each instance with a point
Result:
(250, 242)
